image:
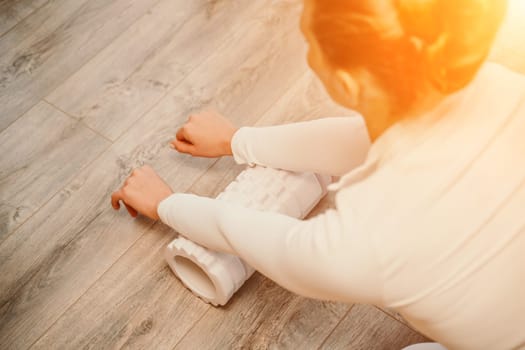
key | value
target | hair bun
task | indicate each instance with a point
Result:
(455, 36)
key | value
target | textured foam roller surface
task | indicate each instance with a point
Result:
(215, 276)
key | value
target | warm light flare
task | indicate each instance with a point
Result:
(509, 47)
(514, 23)
(518, 6)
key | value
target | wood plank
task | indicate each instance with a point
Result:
(50, 263)
(40, 152)
(43, 21)
(136, 304)
(116, 88)
(306, 100)
(12, 12)
(267, 317)
(396, 315)
(365, 327)
(52, 43)
(260, 72)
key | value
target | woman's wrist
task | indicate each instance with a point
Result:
(228, 149)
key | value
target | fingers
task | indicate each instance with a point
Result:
(183, 147)
(127, 193)
(131, 210)
(181, 134)
(182, 141)
(115, 198)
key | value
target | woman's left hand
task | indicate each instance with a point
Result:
(205, 134)
(141, 193)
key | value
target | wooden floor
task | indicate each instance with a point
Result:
(89, 90)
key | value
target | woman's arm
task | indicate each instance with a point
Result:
(318, 258)
(330, 146)
(324, 257)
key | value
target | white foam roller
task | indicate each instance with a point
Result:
(214, 276)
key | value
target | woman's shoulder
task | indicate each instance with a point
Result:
(498, 73)
(497, 94)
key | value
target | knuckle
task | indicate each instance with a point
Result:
(187, 129)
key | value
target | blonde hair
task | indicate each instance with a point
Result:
(408, 43)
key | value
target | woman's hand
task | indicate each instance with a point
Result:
(141, 193)
(205, 134)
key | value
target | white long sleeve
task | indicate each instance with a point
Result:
(307, 257)
(331, 146)
(430, 225)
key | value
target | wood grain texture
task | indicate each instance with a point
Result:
(13, 11)
(50, 263)
(267, 57)
(115, 88)
(305, 100)
(137, 304)
(40, 152)
(394, 314)
(368, 328)
(53, 42)
(263, 315)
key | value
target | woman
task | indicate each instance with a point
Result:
(432, 223)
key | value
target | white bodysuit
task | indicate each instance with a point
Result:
(429, 221)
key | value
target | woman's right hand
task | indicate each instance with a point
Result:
(205, 134)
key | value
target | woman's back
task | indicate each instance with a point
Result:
(445, 210)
